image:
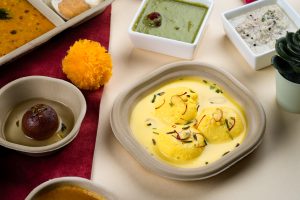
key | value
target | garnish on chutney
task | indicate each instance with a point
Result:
(153, 19)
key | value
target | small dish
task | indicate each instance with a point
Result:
(125, 102)
(165, 45)
(263, 59)
(33, 87)
(55, 3)
(75, 181)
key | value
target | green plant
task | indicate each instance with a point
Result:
(287, 62)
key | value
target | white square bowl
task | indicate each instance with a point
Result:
(256, 61)
(164, 45)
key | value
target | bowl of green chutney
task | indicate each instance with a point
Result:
(171, 27)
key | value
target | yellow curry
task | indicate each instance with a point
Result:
(189, 122)
(64, 192)
(20, 23)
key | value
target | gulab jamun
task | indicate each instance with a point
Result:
(40, 122)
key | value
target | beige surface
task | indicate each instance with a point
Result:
(271, 172)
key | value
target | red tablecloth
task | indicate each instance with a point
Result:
(249, 1)
(19, 173)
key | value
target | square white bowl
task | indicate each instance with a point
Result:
(256, 61)
(164, 45)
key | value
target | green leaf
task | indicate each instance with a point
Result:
(4, 15)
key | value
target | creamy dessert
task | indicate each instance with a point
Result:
(63, 192)
(261, 28)
(178, 20)
(188, 122)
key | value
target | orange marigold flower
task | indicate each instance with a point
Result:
(87, 64)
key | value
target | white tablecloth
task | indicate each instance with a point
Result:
(271, 172)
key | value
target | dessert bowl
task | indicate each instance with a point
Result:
(43, 89)
(256, 60)
(125, 103)
(173, 47)
(74, 181)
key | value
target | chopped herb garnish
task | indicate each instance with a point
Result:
(153, 99)
(206, 163)
(186, 141)
(188, 95)
(212, 87)
(155, 132)
(171, 132)
(218, 91)
(188, 122)
(204, 81)
(238, 144)
(4, 15)
(225, 153)
(186, 127)
(17, 123)
(190, 24)
(153, 142)
(198, 107)
(192, 91)
(63, 127)
(171, 104)
(161, 93)
(149, 124)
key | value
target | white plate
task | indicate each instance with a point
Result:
(125, 102)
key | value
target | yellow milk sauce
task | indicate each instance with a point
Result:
(188, 122)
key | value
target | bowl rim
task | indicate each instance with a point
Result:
(135, 149)
(209, 4)
(57, 145)
(72, 180)
(254, 6)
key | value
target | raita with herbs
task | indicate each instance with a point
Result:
(261, 28)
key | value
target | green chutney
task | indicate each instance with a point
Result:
(178, 19)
